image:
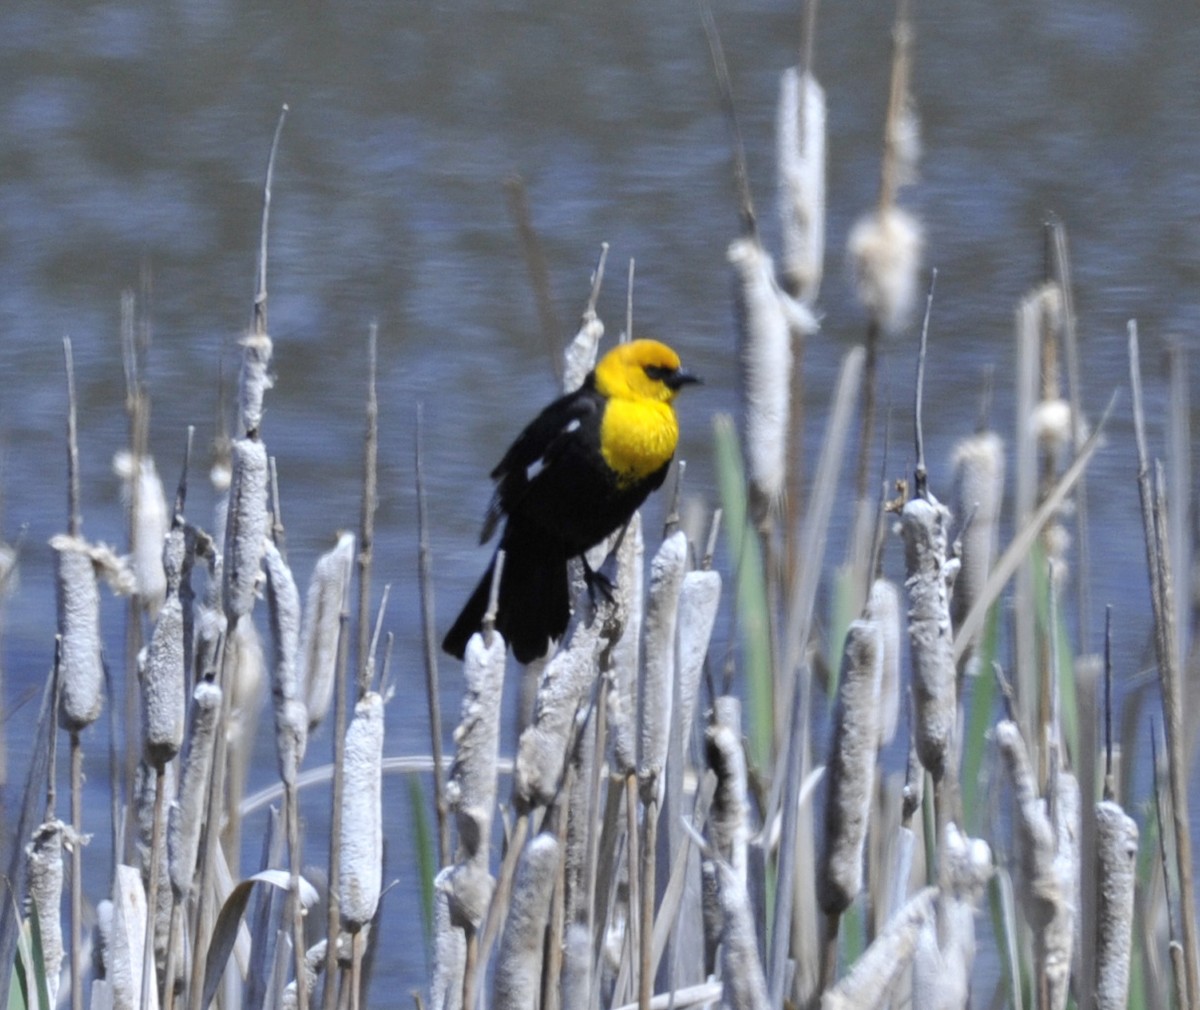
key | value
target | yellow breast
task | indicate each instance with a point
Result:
(637, 437)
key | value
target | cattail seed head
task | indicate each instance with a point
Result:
(319, 631)
(254, 380)
(187, 816)
(885, 253)
(361, 849)
(800, 161)
(81, 671)
(163, 678)
(245, 527)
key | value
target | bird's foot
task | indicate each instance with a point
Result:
(601, 581)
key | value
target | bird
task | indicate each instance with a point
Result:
(573, 476)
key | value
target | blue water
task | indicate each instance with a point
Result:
(133, 142)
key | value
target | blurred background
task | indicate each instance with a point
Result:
(133, 146)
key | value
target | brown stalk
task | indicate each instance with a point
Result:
(370, 502)
(429, 640)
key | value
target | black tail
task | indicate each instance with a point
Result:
(534, 604)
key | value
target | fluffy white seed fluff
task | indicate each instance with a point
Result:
(360, 859)
(149, 526)
(128, 941)
(800, 169)
(81, 674)
(254, 380)
(319, 631)
(765, 318)
(885, 254)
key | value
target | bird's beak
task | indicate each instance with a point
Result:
(679, 378)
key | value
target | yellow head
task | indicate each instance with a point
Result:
(641, 370)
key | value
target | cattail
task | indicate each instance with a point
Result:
(851, 769)
(658, 682)
(1116, 854)
(319, 632)
(163, 676)
(883, 610)
(449, 950)
(765, 318)
(245, 527)
(930, 576)
(625, 656)
(45, 855)
(361, 851)
(81, 673)
(291, 717)
(979, 490)
(187, 818)
(800, 171)
(544, 744)
(873, 977)
(128, 942)
(946, 948)
(471, 790)
(699, 597)
(745, 985)
(885, 253)
(580, 355)
(519, 965)
(728, 818)
(254, 380)
(1049, 859)
(149, 526)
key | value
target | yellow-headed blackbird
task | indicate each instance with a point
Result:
(576, 474)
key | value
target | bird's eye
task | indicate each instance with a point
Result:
(658, 373)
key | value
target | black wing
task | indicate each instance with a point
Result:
(536, 448)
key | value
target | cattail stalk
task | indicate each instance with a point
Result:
(580, 355)
(366, 527)
(979, 490)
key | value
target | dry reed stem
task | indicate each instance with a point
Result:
(791, 698)
(370, 502)
(1158, 563)
(429, 642)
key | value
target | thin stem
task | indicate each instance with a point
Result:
(370, 501)
(260, 295)
(429, 639)
(156, 841)
(334, 923)
(74, 519)
(646, 944)
(76, 872)
(921, 473)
